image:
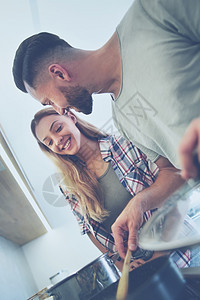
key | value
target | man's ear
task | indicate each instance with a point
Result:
(72, 116)
(56, 71)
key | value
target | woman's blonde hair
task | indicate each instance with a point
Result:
(77, 178)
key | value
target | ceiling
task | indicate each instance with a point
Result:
(18, 220)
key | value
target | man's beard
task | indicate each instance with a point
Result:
(78, 98)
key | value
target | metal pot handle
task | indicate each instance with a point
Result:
(114, 256)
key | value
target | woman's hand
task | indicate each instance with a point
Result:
(139, 262)
(131, 218)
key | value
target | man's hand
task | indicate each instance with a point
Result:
(189, 142)
(130, 220)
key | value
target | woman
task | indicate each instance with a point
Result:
(101, 174)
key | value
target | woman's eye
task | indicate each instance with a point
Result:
(59, 128)
(50, 143)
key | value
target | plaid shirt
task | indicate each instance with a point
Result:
(135, 172)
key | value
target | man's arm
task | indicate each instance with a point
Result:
(131, 218)
(189, 143)
(180, 17)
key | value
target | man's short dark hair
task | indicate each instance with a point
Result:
(28, 54)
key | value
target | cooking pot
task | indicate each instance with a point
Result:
(157, 279)
(88, 281)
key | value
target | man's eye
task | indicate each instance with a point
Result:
(50, 143)
(48, 102)
(59, 128)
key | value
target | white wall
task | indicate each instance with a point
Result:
(16, 280)
(63, 248)
(85, 24)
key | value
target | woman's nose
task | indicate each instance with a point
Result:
(59, 140)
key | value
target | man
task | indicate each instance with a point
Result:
(187, 147)
(151, 68)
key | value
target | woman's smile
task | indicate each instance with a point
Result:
(60, 134)
(67, 144)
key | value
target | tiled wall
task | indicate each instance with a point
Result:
(16, 281)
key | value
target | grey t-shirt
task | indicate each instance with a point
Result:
(160, 90)
(116, 197)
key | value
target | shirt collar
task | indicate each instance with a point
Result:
(105, 148)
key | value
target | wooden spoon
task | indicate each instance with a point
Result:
(122, 289)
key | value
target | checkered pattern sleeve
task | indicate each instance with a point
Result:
(131, 165)
(103, 237)
(76, 210)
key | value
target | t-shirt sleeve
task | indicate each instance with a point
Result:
(178, 16)
(151, 155)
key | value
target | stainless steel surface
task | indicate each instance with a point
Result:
(192, 271)
(88, 281)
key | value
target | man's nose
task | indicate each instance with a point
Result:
(59, 110)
